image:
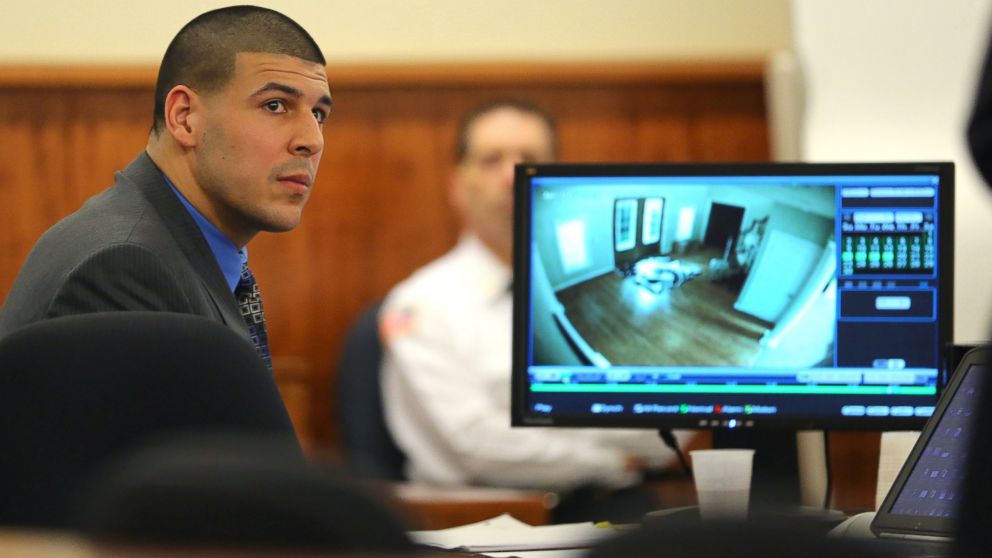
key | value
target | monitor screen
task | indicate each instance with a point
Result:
(731, 295)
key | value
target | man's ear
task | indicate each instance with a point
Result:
(181, 116)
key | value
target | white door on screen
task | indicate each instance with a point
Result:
(780, 269)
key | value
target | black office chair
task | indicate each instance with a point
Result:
(79, 390)
(234, 491)
(370, 450)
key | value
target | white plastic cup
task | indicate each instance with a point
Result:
(723, 482)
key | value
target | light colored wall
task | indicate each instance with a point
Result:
(137, 31)
(893, 80)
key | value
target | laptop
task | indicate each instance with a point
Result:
(924, 498)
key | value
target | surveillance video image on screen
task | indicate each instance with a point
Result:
(721, 294)
(723, 275)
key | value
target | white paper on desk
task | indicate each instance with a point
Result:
(505, 533)
(564, 553)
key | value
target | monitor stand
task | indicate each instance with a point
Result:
(775, 473)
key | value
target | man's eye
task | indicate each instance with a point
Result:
(275, 105)
(320, 115)
(490, 161)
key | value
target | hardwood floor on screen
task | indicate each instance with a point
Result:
(689, 325)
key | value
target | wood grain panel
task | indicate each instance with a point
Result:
(390, 76)
(379, 208)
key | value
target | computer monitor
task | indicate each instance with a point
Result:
(750, 296)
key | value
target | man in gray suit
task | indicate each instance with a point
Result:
(240, 105)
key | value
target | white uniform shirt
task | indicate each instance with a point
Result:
(446, 388)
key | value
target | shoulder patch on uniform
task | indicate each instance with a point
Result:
(396, 323)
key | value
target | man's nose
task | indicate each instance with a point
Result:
(309, 139)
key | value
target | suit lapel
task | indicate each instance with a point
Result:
(146, 177)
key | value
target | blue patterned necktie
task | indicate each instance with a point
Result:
(250, 301)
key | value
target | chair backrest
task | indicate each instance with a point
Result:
(370, 450)
(78, 390)
(235, 491)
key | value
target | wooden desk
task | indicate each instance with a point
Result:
(436, 507)
(16, 543)
(674, 492)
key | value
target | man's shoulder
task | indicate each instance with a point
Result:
(442, 279)
(82, 271)
(444, 269)
(126, 248)
(113, 216)
(434, 295)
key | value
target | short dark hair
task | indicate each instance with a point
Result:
(469, 118)
(202, 54)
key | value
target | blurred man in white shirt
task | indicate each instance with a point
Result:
(447, 337)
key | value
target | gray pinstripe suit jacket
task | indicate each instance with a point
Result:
(132, 247)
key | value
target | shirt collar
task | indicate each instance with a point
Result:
(228, 256)
(496, 278)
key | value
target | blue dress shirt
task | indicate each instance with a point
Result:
(229, 257)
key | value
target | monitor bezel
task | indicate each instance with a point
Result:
(524, 173)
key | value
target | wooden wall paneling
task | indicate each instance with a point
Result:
(411, 199)
(595, 124)
(104, 130)
(32, 173)
(662, 131)
(724, 128)
(662, 139)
